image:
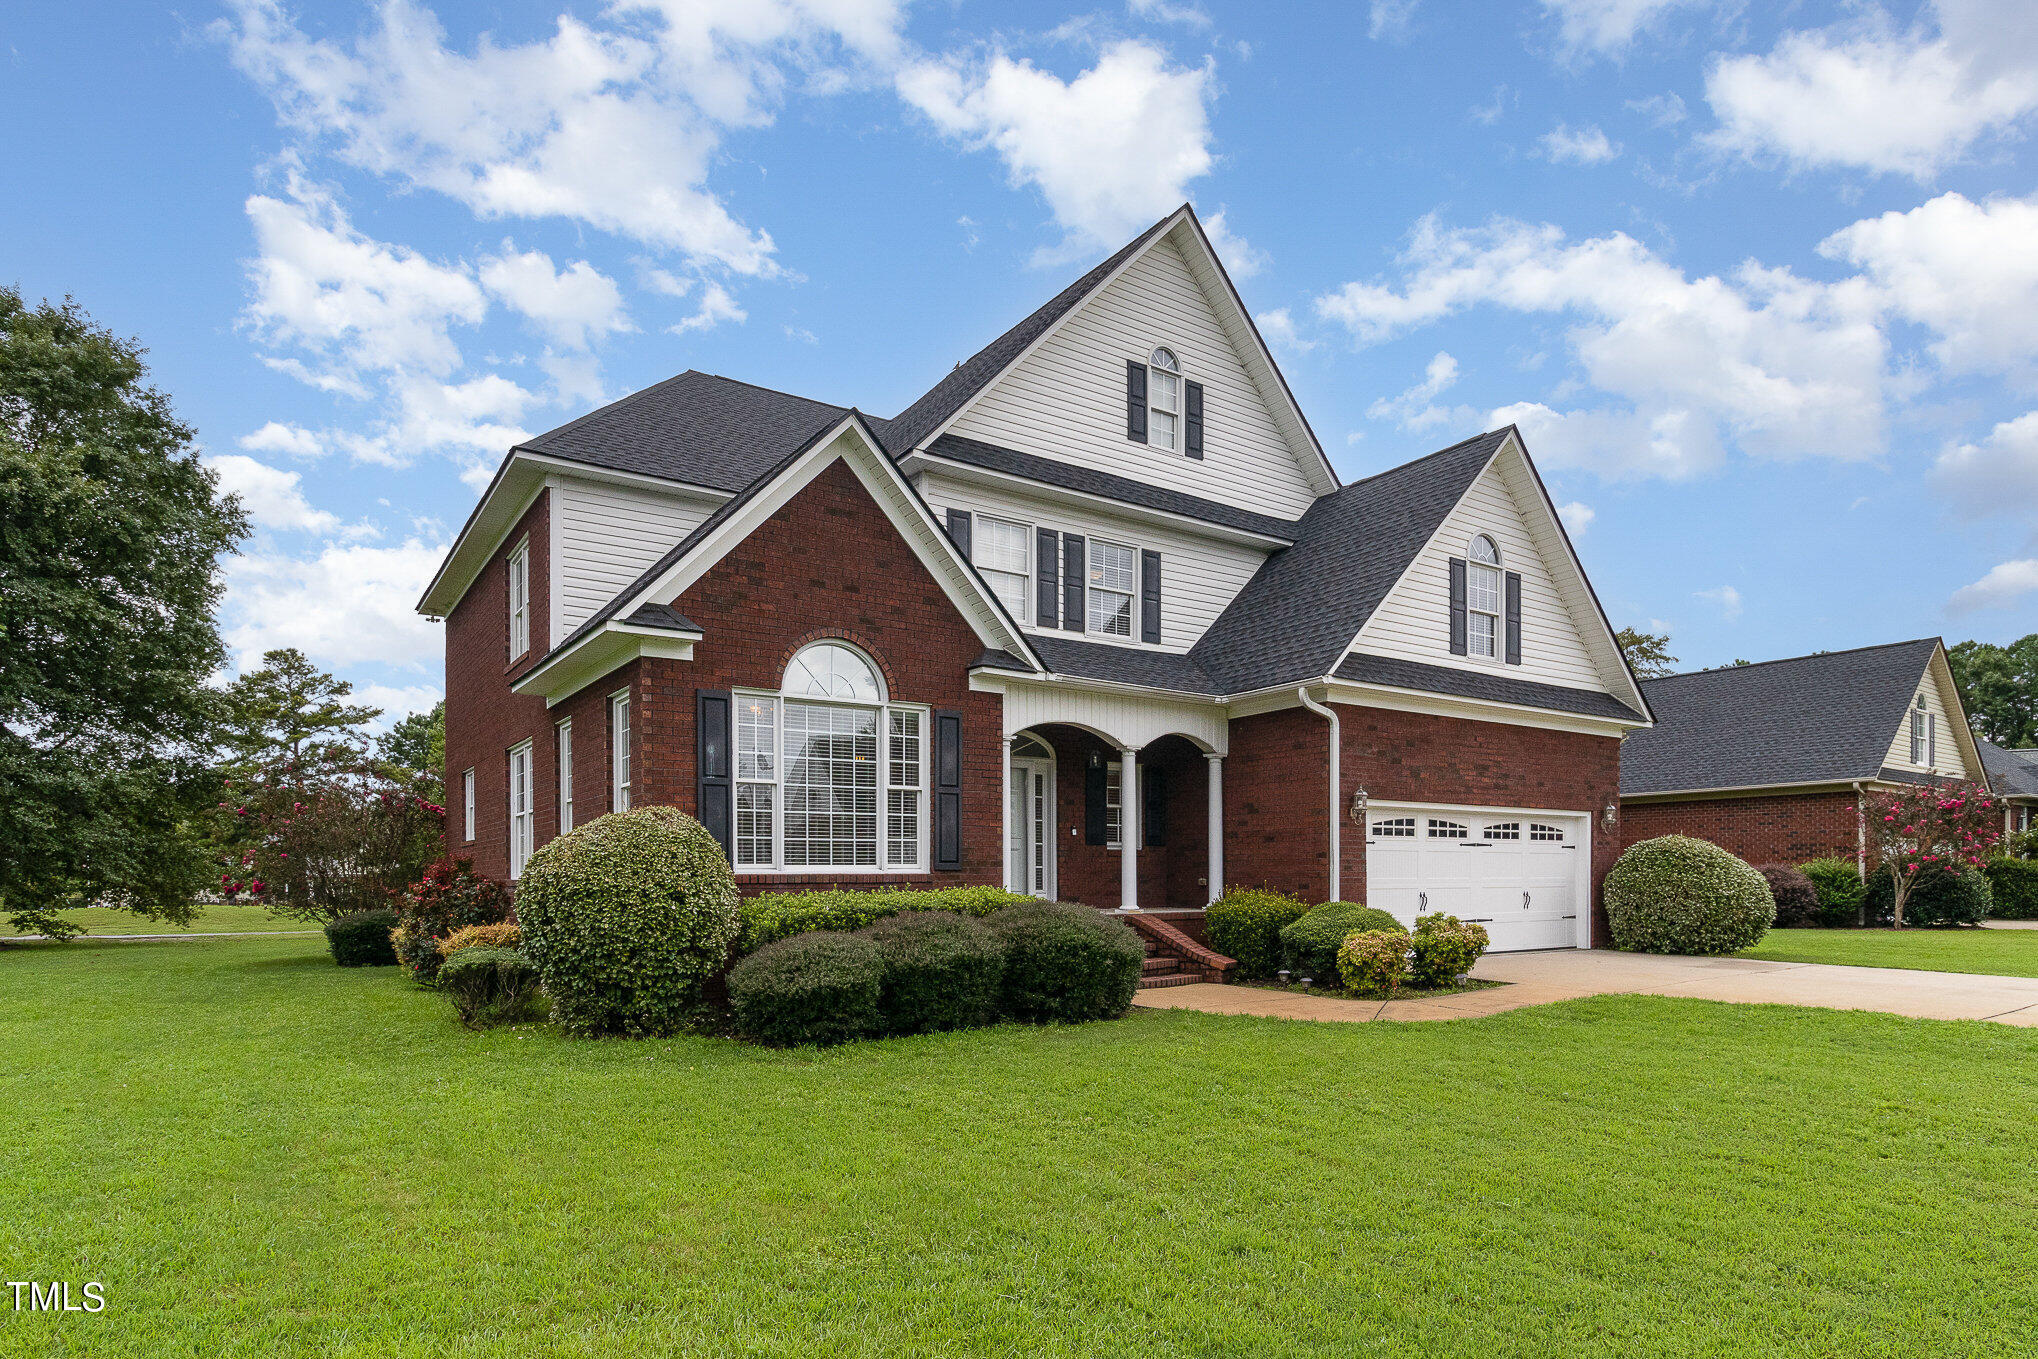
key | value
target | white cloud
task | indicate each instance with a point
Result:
(1391, 20)
(1609, 26)
(1241, 259)
(1490, 112)
(715, 308)
(1563, 145)
(1412, 409)
(2004, 585)
(572, 306)
(1168, 12)
(396, 701)
(1278, 328)
(1662, 110)
(271, 496)
(1726, 597)
(277, 437)
(1110, 151)
(1998, 475)
(1870, 96)
(348, 605)
(1577, 516)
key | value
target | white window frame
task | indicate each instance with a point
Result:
(1090, 587)
(1153, 406)
(520, 598)
(523, 809)
(884, 708)
(1024, 613)
(563, 743)
(1476, 572)
(467, 798)
(619, 750)
(1924, 736)
(1114, 804)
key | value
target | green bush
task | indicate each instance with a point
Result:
(627, 918)
(1065, 963)
(1675, 894)
(2022, 844)
(1839, 887)
(2014, 884)
(361, 939)
(1797, 901)
(1939, 898)
(506, 935)
(1443, 949)
(1372, 963)
(941, 971)
(1309, 943)
(819, 988)
(771, 916)
(490, 986)
(448, 897)
(1245, 924)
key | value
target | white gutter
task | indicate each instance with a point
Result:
(1336, 753)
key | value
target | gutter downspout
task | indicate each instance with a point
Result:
(1861, 843)
(1336, 751)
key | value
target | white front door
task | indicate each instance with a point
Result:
(1032, 848)
(1518, 874)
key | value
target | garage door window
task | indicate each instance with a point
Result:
(1440, 829)
(1400, 825)
(1538, 831)
(1506, 830)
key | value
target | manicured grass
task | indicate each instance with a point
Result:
(209, 920)
(258, 1153)
(2000, 953)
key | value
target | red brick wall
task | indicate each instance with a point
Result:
(483, 718)
(1779, 828)
(1169, 874)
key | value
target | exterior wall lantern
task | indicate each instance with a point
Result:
(1359, 806)
(1609, 816)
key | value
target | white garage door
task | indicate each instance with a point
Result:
(1516, 874)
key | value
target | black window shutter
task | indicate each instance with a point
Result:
(958, 529)
(1047, 549)
(1931, 738)
(1135, 401)
(1094, 826)
(1458, 647)
(1514, 618)
(1072, 581)
(947, 789)
(714, 793)
(1192, 419)
(1149, 596)
(1153, 816)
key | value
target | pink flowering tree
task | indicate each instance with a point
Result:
(1917, 828)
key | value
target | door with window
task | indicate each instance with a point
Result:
(1518, 874)
(1031, 849)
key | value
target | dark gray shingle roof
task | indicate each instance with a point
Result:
(2013, 773)
(1809, 719)
(1493, 687)
(1122, 664)
(661, 616)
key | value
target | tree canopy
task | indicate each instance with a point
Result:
(1999, 688)
(290, 710)
(110, 537)
(416, 744)
(1648, 653)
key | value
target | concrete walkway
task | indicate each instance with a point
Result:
(1570, 974)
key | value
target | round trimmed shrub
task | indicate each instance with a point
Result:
(1372, 963)
(941, 971)
(1065, 963)
(1309, 943)
(1443, 949)
(627, 918)
(1675, 894)
(1840, 890)
(817, 988)
(361, 939)
(1939, 898)
(1797, 901)
(1245, 924)
(506, 935)
(490, 986)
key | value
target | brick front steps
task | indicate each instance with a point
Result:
(1172, 957)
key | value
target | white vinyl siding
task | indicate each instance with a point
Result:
(1414, 621)
(1949, 763)
(1199, 575)
(1067, 399)
(523, 813)
(607, 534)
(565, 730)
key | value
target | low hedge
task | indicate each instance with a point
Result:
(1373, 963)
(2015, 885)
(1443, 949)
(1309, 943)
(490, 985)
(1675, 894)
(505, 935)
(361, 939)
(940, 971)
(1938, 899)
(822, 987)
(771, 916)
(1065, 963)
(1840, 889)
(1797, 901)
(1246, 923)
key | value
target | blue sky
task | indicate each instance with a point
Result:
(1759, 283)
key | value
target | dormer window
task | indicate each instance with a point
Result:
(1482, 597)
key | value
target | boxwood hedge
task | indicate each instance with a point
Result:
(361, 939)
(1309, 943)
(1940, 897)
(2014, 883)
(940, 971)
(1066, 963)
(820, 988)
(771, 916)
(1246, 922)
(1675, 894)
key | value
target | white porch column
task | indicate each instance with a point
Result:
(1128, 829)
(1215, 764)
(1005, 817)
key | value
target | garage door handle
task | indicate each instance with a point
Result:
(1524, 901)
(1423, 897)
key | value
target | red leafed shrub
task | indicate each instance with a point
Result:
(448, 897)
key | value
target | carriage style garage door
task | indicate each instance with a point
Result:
(1520, 874)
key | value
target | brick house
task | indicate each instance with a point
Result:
(1774, 761)
(1093, 618)
(2013, 774)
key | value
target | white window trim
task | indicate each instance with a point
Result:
(522, 825)
(563, 744)
(520, 598)
(1498, 566)
(1032, 572)
(1131, 633)
(777, 783)
(467, 791)
(619, 751)
(1181, 398)
(1114, 800)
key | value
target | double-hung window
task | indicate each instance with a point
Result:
(565, 730)
(829, 772)
(1113, 587)
(1003, 553)
(1163, 399)
(1921, 734)
(1482, 598)
(619, 752)
(467, 797)
(520, 599)
(523, 814)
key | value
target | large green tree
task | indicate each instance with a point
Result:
(290, 711)
(416, 744)
(1999, 688)
(1648, 653)
(110, 537)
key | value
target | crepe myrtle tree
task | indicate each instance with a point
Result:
(1934, 825)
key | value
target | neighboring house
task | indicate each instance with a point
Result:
(1090, 619)
(1773, 761)
(2013, 774)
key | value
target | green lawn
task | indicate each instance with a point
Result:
(258, 1153)
(209, 920)
(2001, 953)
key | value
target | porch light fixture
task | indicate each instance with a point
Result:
(1609, 816)
(1359, 806)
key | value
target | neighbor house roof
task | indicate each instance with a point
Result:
(2013, 773)
(1809, 719)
